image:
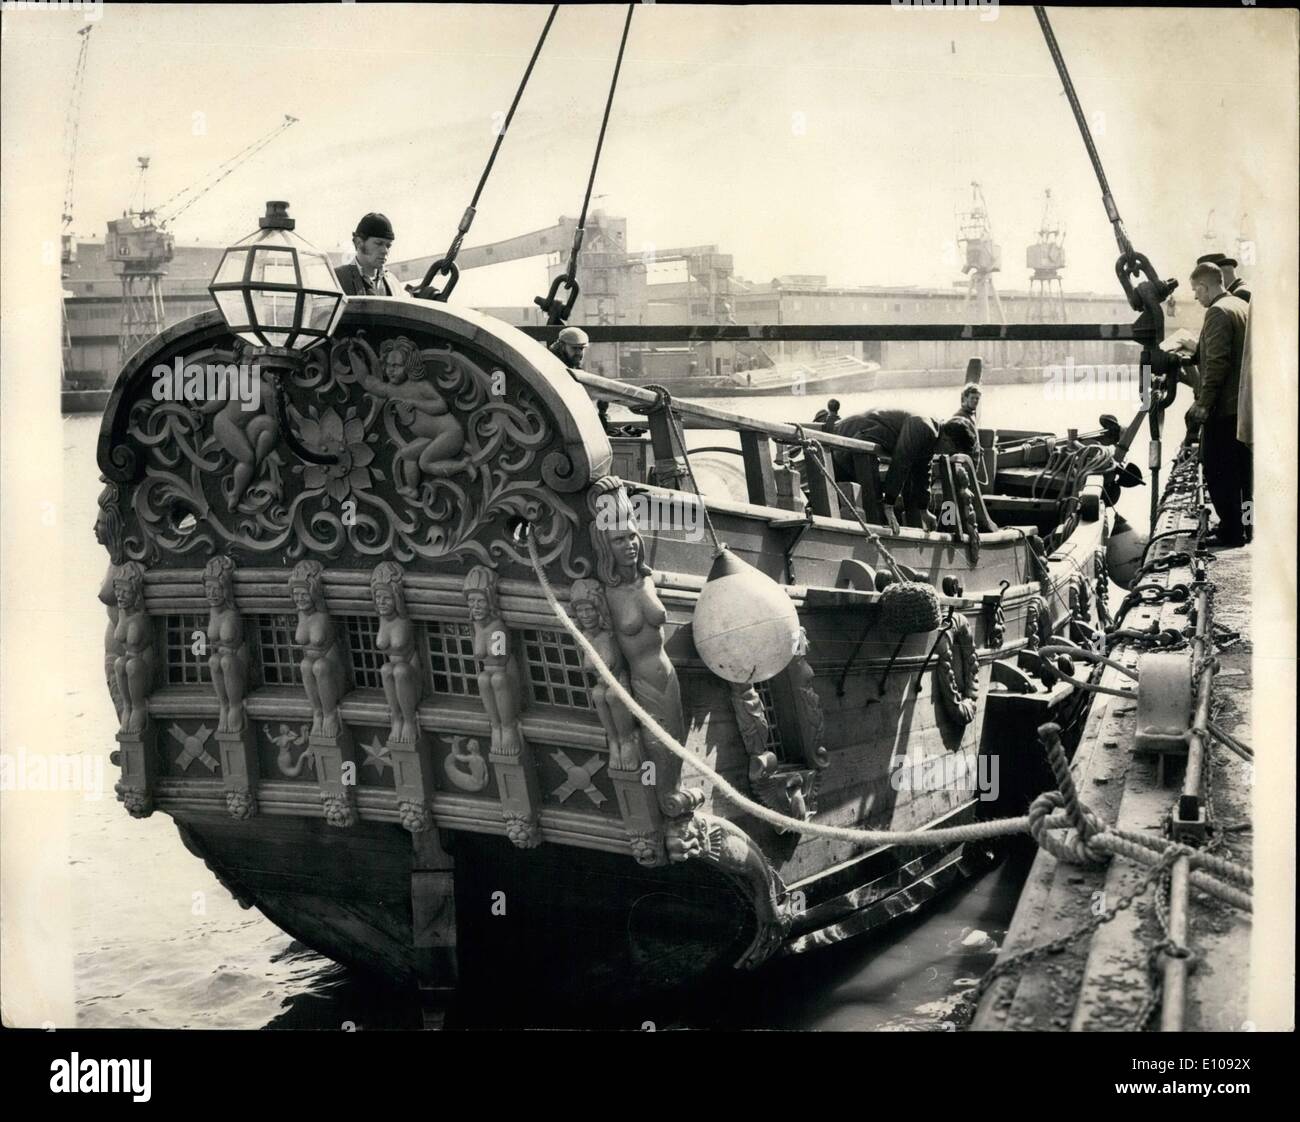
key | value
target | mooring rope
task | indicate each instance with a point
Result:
(1052, 810)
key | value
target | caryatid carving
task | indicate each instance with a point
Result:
(498, 676)
(227, 648)
(108, 532)
(437, 436)
(638, 617)
(324, 674)
(403, 682)
(622, 733)
(133, 667)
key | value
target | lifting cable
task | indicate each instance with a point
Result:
(445, 266)
(1108, 200)
(558, 311)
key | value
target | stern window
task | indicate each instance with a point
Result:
(451, 659)
(184, 667)
(555, 670)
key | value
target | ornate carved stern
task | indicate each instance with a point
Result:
(343, 548)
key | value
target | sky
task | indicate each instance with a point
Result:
(800, 139)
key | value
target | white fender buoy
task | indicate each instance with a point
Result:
(745, 625)
(1124, 552)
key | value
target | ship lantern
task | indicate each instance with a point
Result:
(279, 295)
(745, 625)
(276, 290)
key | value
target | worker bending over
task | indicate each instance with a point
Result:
(911, 442)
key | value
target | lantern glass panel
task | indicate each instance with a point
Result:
(316, 273)
(274, 309)
(274, 266)
(231, 270)
(318, 312)
(233, 309)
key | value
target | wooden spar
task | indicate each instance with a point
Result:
(706, 417)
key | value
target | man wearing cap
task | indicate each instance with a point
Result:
(1228, 267)
(1225, 461)
(570, 347)
(365, 276)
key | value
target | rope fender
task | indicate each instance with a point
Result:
(957, 681)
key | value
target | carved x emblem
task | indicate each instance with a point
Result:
(193, 747)
(579, 777)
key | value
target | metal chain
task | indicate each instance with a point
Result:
(1059, 944)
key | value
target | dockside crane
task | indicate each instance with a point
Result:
(140, 245)
(982, 258)
(1046, 259)
(71, 132)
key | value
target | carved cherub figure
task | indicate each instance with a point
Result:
(133, 668)
(227, 651)
(622, 733)
(323, 671)
(438, 438)
(498, 678)
(396, 638)
(247, 434)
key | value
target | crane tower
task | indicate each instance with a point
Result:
(140, 246)
(1046, 257)
(982, 258)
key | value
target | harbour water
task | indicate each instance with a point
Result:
(160, 944)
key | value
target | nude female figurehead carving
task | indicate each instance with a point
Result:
(396, 639)
(498, 679)
(323, 671)
(622, 733)
(227, 652)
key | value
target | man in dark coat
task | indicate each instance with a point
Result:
(1228, 267)
(1225, 461)
(365, 276)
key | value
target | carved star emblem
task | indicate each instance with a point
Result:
(377, 756)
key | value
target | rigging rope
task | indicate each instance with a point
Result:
(600, 141)
(556, 311)
(1108, 200)
(446, 265)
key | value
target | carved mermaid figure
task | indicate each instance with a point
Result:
(323, 671)
(133, 634)
(622, 733)
(638, 619)
(438, 438)
(227, 651)
(498, 678)
(396, 638)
